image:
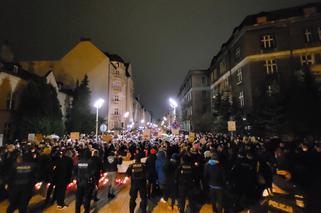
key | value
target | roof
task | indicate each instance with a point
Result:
(21, 73)
(188, 75)
(127, 67)
(271, 16)
(114, 57)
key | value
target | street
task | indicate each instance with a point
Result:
(120, 204)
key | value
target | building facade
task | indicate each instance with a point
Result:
(265, 47)
(194, 99)
(110, 78)
(13, 80)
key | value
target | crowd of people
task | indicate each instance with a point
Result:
(229, 173)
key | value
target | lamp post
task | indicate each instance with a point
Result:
(174, 105)
(126, 114)
(98, 104)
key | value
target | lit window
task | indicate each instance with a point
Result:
(238, 53)
(116, 111)
(241, 98)
(15, 68)
(271, 66)
(269, 91)
(239, 76)
(307, 59)
(267, 41)
(308, 35)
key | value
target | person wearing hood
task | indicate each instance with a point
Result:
(160, 161)
(215, 178)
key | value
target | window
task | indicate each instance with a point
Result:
(308, 35)
(116, 111)
(15, 69)
(241, 98)
(117, 73)
(237, 53)
(270, 66)
(116, 98)
(269, 91)
(204, 80)
(239, 76)
(222, 67)
(189, 96)
(307, 59)
(267, 41)
(215, 74)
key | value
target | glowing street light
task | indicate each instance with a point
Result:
(174, 105)
(126, 114)
(142, 121)
(98, 104)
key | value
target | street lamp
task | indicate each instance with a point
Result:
(126, 114)
(174, 105)
(98, 104)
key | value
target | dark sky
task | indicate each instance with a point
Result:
(163, 39)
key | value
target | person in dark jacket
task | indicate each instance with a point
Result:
(151, 173)
(86, 179)
(170, 190)
(214, 176)
(111, 169)
(21, 180)
(185, 181)
(98, 166)
(137, 172)
(63, 172)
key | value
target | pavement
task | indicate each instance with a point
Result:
(120, 204)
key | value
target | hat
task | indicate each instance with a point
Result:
(153, 151)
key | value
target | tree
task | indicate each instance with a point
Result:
(303, 105)
(269, 110)
(39, 110)
(80, 118)
(222, 112)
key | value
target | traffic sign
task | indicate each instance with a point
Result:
(103, 128)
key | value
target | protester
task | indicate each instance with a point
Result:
(247, 167)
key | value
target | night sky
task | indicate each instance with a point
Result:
(163, 39)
